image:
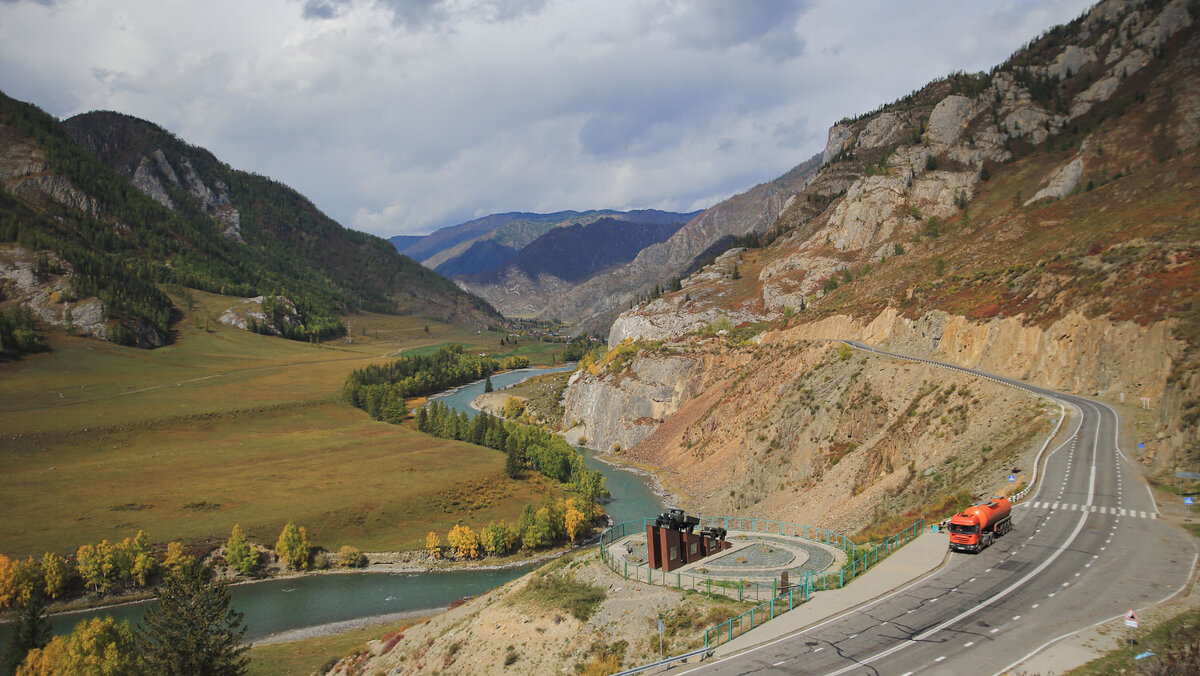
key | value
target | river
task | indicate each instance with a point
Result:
(276, 606)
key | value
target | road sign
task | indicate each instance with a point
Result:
(1131, 619)
(1187, 475)
(1141, 445)
(1011, 478)
(1189, 500)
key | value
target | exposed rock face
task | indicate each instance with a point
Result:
(619, 410)
(950, 118)
(145, 180)
(251, 314)
(24, 172)
(839, 135)
(1061, 182)
(48, 294)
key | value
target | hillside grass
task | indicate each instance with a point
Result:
(310, 655)
(225, 427)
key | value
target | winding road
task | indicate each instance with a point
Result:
(1087, 546)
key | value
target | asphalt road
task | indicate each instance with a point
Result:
(1086, 546)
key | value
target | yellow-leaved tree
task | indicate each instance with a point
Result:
(7, 588)
(176, 557)
(97, 647)
(56, 574)
(292, 546)
(573, 520)
(434, 544)
(464, 541)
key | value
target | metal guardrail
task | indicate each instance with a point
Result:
(663, 662)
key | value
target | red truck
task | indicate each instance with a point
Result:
(979, 526)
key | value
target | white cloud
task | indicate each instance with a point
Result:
(398, 116)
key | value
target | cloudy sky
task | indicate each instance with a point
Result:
(402, 116)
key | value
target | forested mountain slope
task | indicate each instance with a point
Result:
(113, 207)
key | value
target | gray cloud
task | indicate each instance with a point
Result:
(400, 117)
(323, 9)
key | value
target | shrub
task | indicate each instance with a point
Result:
(351, 557)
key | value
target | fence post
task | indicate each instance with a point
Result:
(739, 589)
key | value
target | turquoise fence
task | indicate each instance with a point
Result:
(859, 559)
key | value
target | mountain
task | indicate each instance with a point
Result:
(1038, 221)
(123, 206)
(488, 243)
(594, 304)
(401, 242)
(561, 258)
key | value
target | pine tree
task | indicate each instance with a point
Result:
(193, 631)
(30, 631)
(487, 384)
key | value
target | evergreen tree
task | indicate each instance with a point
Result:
(487, 384)
(30, 631)
(193, 631)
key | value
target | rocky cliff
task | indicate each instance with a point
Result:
(1016, 221)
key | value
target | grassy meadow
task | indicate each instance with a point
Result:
(227, 426)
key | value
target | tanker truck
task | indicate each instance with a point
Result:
(979, 526)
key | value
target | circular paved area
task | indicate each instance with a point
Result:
(753, 556)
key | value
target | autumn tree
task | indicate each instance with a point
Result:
(464, 541)
(96, 647)
(193, 630)
(56, 574)
(498, 538)
(573, 520)
(176, 557)
(292, 546)
(351, 557)
(433, 543)
(240, 555)
(7, 589)
(513, 407)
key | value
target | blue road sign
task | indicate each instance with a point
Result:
(1188, 500)
(1141, 445)
(1011, 478)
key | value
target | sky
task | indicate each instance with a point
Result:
(403, 116)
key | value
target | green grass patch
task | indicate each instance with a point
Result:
(554, 587)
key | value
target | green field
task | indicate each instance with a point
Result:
(226, 426)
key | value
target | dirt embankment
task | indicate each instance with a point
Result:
(571, 612)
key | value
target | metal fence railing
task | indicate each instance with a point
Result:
(774, 600)
(857, 564)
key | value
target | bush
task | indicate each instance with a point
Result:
(931, 163)
(351, 557)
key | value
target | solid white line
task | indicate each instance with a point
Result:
(814, 627)
(1008, 590)
(1052, 641)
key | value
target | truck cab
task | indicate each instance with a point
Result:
(979, 526)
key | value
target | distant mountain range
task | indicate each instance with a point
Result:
(128, 207)
(489, 243)
(518, 261)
